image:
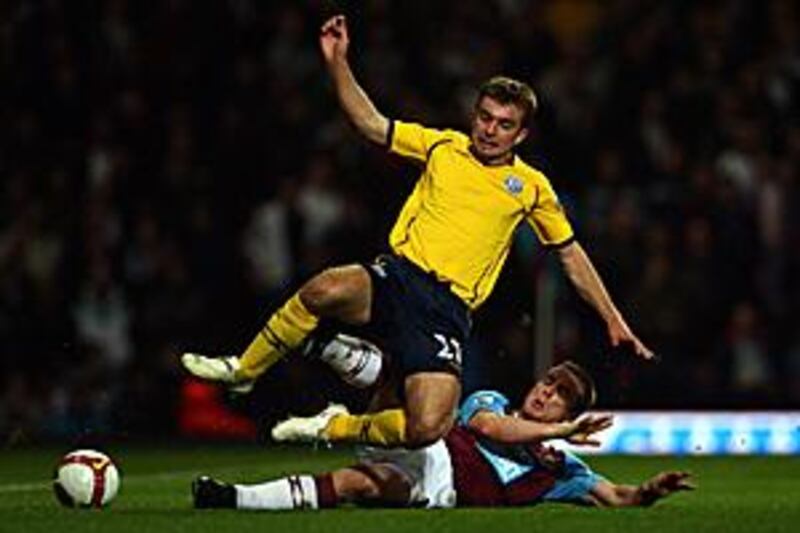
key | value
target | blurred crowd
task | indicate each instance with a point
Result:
(170, 170)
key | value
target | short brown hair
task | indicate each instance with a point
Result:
(510, 91)
(587, 396)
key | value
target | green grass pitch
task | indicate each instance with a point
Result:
(750, 494)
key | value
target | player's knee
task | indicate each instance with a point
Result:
(341, 292)
(362, 488)
(426, 429)
(322, 292)
(373, 484)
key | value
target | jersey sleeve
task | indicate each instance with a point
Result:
(548, 218)
(413, 140)
(577, 482)
(485, 400)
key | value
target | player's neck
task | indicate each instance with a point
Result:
(506, 158)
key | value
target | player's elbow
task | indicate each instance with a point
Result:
(487, 427)
(375, 127)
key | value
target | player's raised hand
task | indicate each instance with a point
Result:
(619, 333)
(581, 431)
(333, 38)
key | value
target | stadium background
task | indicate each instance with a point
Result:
(170, 170)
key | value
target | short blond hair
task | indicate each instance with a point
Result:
(510, 91)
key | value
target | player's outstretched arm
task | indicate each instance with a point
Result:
(334, 42)
(662, 485)
(584, 277)
(513, 430)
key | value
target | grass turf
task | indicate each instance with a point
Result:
(735, 494)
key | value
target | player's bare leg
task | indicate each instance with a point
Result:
(376, 483)
(429, 411)
(343, 293)
(431, 402)
(385, 396)
(431, 399)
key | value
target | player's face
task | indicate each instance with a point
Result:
(550, 399)
(496, 129)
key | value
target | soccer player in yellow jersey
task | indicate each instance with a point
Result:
(448, 247)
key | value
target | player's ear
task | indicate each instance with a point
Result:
(521, 136)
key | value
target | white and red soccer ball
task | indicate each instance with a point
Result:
(86, 478)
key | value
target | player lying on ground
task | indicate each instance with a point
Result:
(492, 457)
(448, 246)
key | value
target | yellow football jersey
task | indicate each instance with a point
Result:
(459, 221)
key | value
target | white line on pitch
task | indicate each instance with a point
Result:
(135, 479)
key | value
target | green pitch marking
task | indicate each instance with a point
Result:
(735, 494)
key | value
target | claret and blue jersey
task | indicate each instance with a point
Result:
(510, 463)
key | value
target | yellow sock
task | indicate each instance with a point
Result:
(386, 428)
(283, 332)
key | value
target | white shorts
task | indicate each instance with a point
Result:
(428, 470)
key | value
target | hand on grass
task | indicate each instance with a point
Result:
(663, 484)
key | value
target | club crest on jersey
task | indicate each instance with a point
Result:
(513, 184)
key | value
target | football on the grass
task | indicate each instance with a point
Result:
(86, 478)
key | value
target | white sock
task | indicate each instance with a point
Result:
(292, 492)
(357, 361)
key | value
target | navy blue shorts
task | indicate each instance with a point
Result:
(416, 318)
